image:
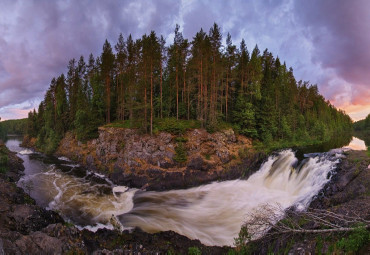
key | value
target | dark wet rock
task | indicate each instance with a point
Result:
(196, 163)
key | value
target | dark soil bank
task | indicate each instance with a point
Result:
(25, 228)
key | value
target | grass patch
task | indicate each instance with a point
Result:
(170, 125)
(174, 126)
(123, 124)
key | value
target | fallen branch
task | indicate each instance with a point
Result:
(273, 220)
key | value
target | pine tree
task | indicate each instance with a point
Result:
(107, 64)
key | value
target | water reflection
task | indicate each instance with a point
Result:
(356, 144)
(338, 141)
(364, 136)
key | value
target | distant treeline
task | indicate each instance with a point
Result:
(362, 130)
(139, 82)
(362, 125)
(18, 127)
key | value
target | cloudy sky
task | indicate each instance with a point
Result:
(326, 42)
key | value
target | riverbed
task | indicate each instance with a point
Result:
(212, 213)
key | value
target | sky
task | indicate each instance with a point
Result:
(325, 42)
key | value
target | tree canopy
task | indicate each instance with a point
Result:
(143, 80)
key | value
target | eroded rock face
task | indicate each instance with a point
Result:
(139, 160)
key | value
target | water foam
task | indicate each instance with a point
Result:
(214, 213)
(26, 152)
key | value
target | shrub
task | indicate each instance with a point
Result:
(3, 159)
(194, 251)
(180, 156)
(355, 241)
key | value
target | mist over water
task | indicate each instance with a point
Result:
(212, 213)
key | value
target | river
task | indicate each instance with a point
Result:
(212, 213)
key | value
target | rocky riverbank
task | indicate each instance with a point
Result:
(348, 193)
(164, 161)
(26, 228)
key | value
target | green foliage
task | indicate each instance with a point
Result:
(243, 237)
(319, 130)
(362, 125)
(3, 158)
(242, 245)
(181, 139)
(355, 241)
(285, 129)
(85, 129)
(190, 84)
(2, 132)
(194, 251)
(174, 126)
(68, 224)
(244, 117)
(18, 127)
(181, 154)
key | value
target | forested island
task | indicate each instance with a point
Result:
(153, 86)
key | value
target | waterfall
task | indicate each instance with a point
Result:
(214, 213)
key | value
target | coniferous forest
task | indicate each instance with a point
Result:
(146, 83)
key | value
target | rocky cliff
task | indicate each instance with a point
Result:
(163, 161)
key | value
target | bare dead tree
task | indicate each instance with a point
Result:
(273, 220)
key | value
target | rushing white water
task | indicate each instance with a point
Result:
(78, 199)
(214, 213)
(26, 152)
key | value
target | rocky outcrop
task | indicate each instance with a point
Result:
(153, 162)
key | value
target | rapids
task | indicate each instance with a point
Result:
(212, 213)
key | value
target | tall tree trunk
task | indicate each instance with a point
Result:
(177, 94)
(206, 97)
(123, 100)
(184, 89)
(213, 92)
(227, 93)
(199, 96)
(145, 104)
(188, 101)
(161, 91)
(131, 113)
(201, 93)
(151, 97)
(107, 82)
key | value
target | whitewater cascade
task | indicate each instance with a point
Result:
(214, 213)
